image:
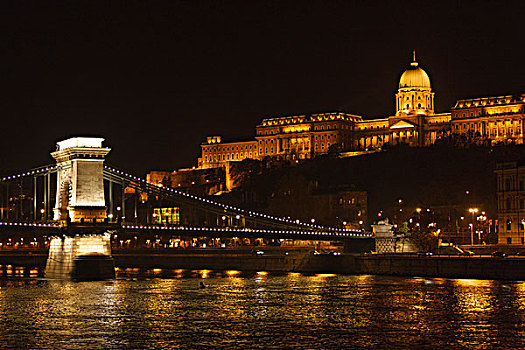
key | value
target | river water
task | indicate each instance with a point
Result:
(167, 310)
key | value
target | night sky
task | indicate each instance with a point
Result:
(155, 78)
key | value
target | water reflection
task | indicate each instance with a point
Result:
(167, 309)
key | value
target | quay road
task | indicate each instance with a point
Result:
(280, 259)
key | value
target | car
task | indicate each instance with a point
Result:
(498, 254)
(425, 254)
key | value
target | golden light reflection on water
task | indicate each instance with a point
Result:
(205, 273)
(472, 282)
(364, 278)
(232, 273)
(518, 289)
(325, 275)
(473, 296)
(170, 312)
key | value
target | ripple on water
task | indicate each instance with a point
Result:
(153, 309)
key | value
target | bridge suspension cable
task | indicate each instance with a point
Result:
(140, 184)
(43, 170)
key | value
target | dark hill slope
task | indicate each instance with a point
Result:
(422, 177)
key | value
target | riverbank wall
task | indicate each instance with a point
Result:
(301, 260)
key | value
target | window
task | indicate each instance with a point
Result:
(166, 216)
(509, 222)
(509, 240)
(522, 204)
(508, 204)
(507, 184)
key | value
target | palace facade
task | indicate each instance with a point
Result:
(487, 120)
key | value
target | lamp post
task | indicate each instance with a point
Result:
(473, 212)
(418, 210)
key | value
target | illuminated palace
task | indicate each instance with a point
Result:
(487, 120)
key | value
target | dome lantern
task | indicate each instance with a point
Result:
(414, 76)
(415, 94)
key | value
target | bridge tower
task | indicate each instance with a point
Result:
(80, 183)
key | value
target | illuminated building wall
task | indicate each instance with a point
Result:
(215, 154)
(198, 181)
(511, 202)
(493, 119)
(305, 136)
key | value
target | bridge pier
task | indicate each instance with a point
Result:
(79, 200)
(80, 258)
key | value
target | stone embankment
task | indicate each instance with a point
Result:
(300, 260)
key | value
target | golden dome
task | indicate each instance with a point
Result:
(414, 77)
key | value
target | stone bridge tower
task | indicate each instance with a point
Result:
(80, 182)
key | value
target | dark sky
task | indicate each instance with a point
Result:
(155, 78)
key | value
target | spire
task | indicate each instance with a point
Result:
(414, 63)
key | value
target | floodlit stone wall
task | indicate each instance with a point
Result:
(64, 250)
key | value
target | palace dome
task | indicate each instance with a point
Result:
(414, 77)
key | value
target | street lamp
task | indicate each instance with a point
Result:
(472, 211)
(418, 211)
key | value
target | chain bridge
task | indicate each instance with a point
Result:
(81, 195)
